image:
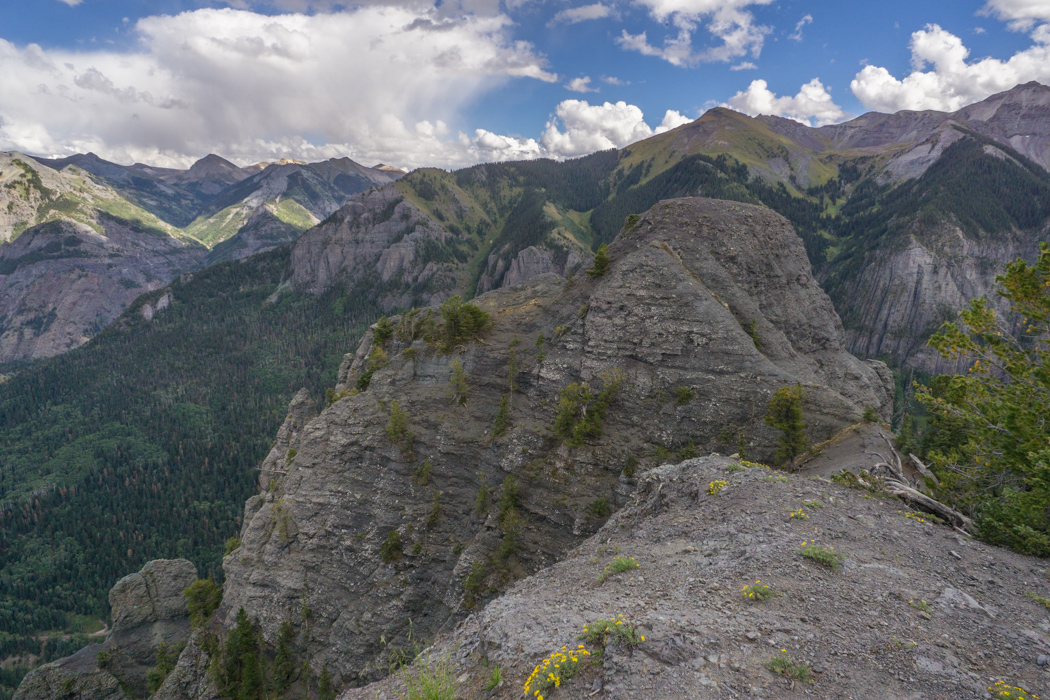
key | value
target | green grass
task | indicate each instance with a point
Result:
(783, 665)
(825, 556)
(617, 566)
(428, 678)
(294, 214)
(217, 227)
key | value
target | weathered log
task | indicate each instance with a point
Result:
(902, 490)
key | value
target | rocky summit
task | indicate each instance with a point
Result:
(405, 503)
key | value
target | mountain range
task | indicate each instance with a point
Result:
(891, 223)
(85, 237)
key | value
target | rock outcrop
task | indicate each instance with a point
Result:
(365, 541)
(916, 611)
(149, 610)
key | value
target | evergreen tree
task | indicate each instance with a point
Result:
(284, 659)
(785, 414)
(325, 689)
(601, 261)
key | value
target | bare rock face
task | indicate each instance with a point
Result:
(149, 609)
(528, 263)
(377, 236)
(365, 541)
(61, 282)
(152, 594)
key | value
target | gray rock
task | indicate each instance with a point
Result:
(155, 593)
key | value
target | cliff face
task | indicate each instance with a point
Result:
(354, 534)
(62, 282)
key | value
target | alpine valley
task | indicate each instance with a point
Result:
(354, 412)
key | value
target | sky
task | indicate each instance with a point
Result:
(451, 83)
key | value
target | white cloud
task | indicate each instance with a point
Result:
(746, 65)
(797, 35)
(72, 3)
(729, 21)
(1021, 14)
(979, 30)
(941, 77)
(613, 80)
(579, 127)
(377, 83)
(812, 105)
(582, 14)
(581, 85)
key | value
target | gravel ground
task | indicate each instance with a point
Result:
(855, 628)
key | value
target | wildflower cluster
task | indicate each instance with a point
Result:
(799, 514)
(1038, 598)
(825, 556)
(618, 565)
(757, 591)
(782, 665)
(561, 665)
(914, 516)
(715, 486)
(753, 464)
(920, 605)
(601, 631)
(1011, 692)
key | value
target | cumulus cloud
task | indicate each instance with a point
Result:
(581, 85)
(72, 3)
(1021, 14)
(579, 128)
(812, 105)
(376, 83)
(746, 65)
(729, 21)
(582, 14)
(613, 80)
(941, 76)
(797, 35)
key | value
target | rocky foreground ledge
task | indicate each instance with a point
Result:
(917, 610)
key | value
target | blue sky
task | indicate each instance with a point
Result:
(415, 83)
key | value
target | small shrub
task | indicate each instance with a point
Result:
(869, 415)
(600, 508)
(422, 473)
(481, 501)
(616, 629)
(630, 466)
(775, 477)
(630, 222)
(203, 597)
(921, 605)
(232, 544)
(757, 591)
(917, 517)
(435, 511)
(409, 353)
(687, 451)
(508, 500)
(815, 505)
(165, 663)
(428, 679)
(782, 665)
(382, 331)
(457, 383)
(474, 584)
(391, 550)
(495, 678)
(397, 431)
(559, 666)
(715, 486)
(502, 420)
(541, 351)
(617, 566)
(1003, 691)
(683, 395)
(735, 468)
(462, 322)
(825, 556)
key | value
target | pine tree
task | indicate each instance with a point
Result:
(601, 261)
(325, 689)
(785, 414)
(284, 659)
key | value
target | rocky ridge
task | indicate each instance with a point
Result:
(916, 611)
(674, 310)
